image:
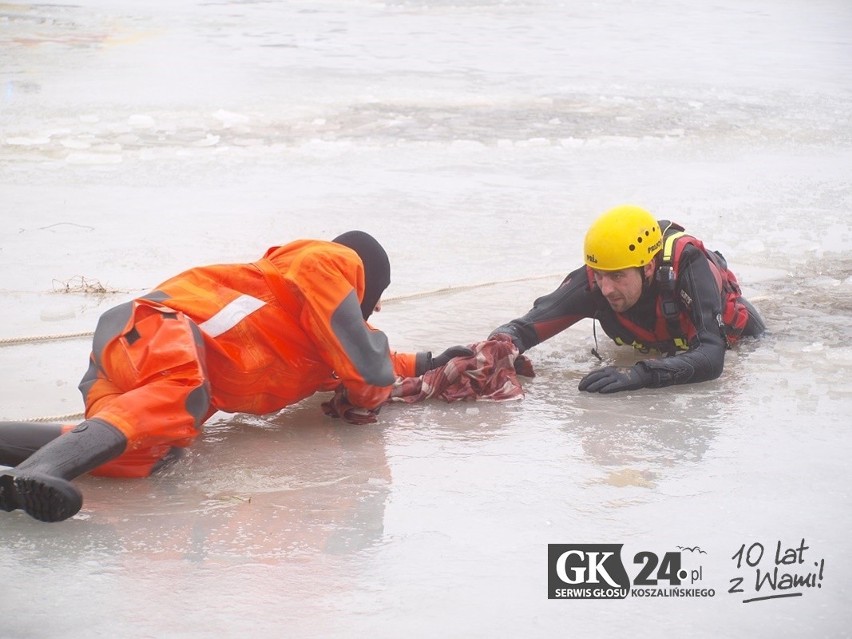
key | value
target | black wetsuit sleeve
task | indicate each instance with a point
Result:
(705, 358)
(552, 313)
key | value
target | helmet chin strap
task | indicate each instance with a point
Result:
(595, 336)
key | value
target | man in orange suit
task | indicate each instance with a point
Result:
(249, 338)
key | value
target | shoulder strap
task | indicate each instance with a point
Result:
(666, 278)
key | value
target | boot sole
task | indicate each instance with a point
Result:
(42, 497)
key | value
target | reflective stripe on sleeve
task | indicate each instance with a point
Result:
(231, 315)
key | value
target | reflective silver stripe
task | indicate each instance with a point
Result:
(231, 315)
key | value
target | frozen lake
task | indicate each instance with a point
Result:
(476, 140)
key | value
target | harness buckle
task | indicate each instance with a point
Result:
(665, 277)
(667, 282)
(670, 309)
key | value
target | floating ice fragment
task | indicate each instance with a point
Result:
(127, 138)
(22, 141)
(538, 142)
(75, 144)
(93, 158)
(139, 121)
(209, 140)
(229, 118)
(840, 354)
(471, 145)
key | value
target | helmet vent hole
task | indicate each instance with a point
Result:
(632, 247)
(639, 239)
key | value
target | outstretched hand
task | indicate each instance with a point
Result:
(612, 379)
(447, 355)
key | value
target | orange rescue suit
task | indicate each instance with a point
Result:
(249, 338)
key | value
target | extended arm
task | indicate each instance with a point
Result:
(552, 313)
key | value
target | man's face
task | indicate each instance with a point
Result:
(620, 288)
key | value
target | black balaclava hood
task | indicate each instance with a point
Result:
(376, 266)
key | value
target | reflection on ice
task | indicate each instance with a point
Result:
(243, 494)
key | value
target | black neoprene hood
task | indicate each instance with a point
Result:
(376, 266)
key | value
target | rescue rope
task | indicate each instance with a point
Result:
(35, 339)
(468, 287)
(68, 417)
(12, 341)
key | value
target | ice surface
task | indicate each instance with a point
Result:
(476, 139)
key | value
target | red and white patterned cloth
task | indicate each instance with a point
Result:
(491, 373)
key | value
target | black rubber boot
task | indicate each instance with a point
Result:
(43, 497)
(19, 440)
(40, 485)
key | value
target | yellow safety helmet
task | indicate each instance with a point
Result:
(623, 237)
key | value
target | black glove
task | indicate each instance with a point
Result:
(515, 339)
(425, 361)
(612, 379)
